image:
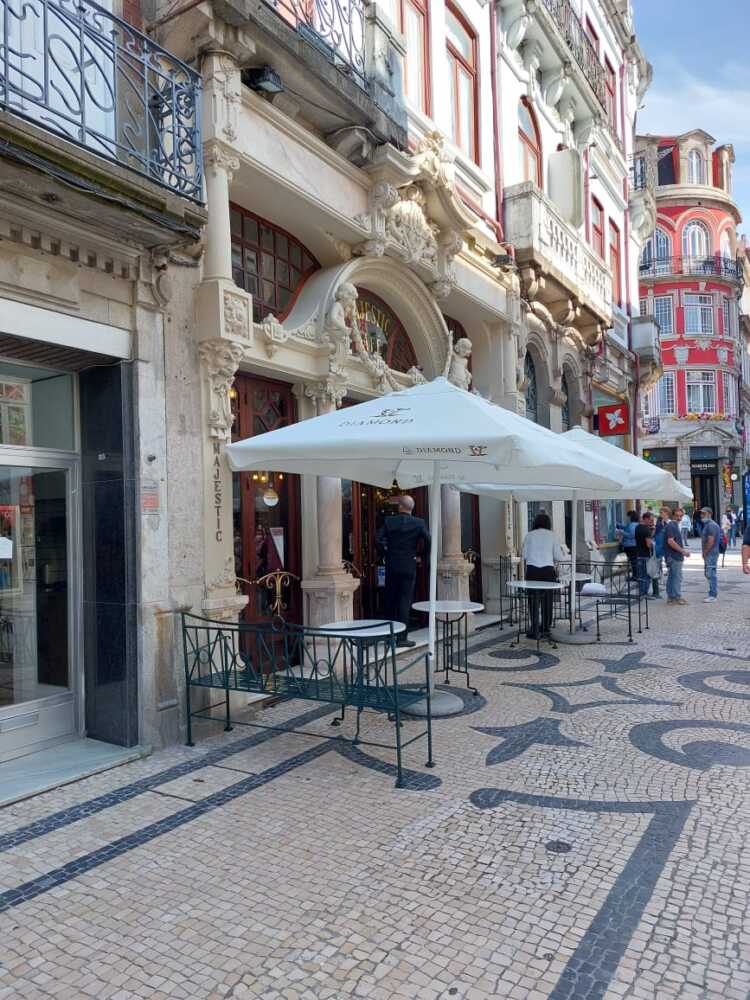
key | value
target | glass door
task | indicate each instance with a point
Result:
(39, 677)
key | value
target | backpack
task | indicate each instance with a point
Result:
(722, 544)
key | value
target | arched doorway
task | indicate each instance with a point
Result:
(364, 508)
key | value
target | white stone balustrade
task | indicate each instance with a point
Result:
(540, 234)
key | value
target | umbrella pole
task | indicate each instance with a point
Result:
(573, 541)
(435, 500)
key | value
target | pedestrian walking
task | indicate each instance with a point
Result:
(675, 553)
(400, 537)
(745, 551)
(627, 541)
(686, 526)
(658, 551)
(733, 527)
(644, 544)
(541, 551)
(710, 546)
(697, 524)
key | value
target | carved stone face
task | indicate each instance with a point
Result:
(462, 347)
(346, 294)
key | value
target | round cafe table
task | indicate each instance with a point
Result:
(453, 617)
(370, 664)
(521, 587)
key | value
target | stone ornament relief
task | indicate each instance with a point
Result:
(220, 359)
(458, 371)
(223, 86)
(399, 223)
(236, 316)
(216, 157)
(226, 578)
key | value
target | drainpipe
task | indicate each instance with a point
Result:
(496, 120)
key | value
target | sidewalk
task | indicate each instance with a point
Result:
(584, 835)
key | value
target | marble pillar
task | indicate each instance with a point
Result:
(453, 569)
(329, 594)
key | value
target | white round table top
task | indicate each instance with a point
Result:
(537, 585)
(448, 607)
(364, 628)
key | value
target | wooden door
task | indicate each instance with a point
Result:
(266, 507)
(364, 511)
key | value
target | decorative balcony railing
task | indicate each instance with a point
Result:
(716, 266)
(335, 27)
(642, 174)
(73, 68)
(580, 45)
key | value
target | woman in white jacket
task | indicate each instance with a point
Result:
(541, 552)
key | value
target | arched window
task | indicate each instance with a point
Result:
(696, 168)
(267, 262)
(532, 404)
(462, 68)
(565, 408)
(696, 243)
(530, 146)
(656, 253)
(726, 246)
(384, 332)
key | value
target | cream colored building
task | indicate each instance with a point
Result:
(385, 180)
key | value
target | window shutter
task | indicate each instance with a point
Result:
(565, 174)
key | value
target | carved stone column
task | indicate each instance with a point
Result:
(329, 595)
(221, 306)
(219, 360)
(453, 570)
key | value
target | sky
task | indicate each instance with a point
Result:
(700, 52)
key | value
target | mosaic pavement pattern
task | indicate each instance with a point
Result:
(583, 836)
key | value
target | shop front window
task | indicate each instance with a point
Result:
(34, 584)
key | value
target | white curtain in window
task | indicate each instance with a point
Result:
(696, 240)
(696, 167)
(657, 251)
(666, 395)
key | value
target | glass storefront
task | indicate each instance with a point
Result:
(39, 675)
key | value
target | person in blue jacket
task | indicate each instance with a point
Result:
(659, 542)
(627, 540)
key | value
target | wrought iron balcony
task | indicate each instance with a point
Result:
(715, 266)
(73, 68)
(580, 45)
(335, 27)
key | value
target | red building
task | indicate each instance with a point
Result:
(691, 281)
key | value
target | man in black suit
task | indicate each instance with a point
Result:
(399, 538)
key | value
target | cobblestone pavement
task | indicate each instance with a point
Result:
(584, 835)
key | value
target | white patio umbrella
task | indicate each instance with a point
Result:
(431, 434)
(639, 480)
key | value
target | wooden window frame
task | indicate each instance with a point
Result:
(535, 151)
(597, 232)
(422, 7)
(456, 59)
(610, 85)
(695, 155)
(615, 262)
(261, 307)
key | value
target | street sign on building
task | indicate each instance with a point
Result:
(613, 419)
